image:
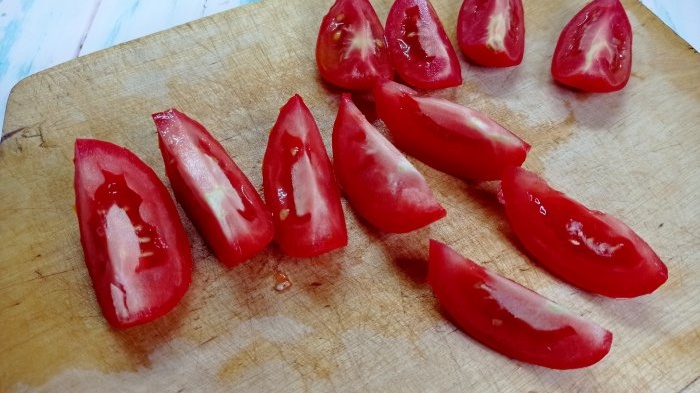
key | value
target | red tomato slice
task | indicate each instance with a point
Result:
(447, 136)
(351, 49)
(300, 189)
(380, 183)
(511, 319)
(491, 33)
(419, 48)
(586, 248)
(216, 195)
(594, 51)
(136, 249)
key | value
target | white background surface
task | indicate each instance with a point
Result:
(38, 34)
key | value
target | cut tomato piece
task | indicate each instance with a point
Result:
(136, 249)
(510, 318)
(419, 48)
(380, 183)
(587, 248)
(351, 50)
(491, 33)
(300, 189)
(214, 192)
(447, 136)
(594, 51)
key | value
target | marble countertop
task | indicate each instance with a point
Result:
(38, 34)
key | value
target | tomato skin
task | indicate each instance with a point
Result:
(449, 137)
(136, 249)
(350, 49)
(511, 319)
(589, 249)
(419, 48)
(215, 193)
(594, 50)
(491, 33)
(380, 183)
(300, 189)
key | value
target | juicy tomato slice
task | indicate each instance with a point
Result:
(215, 193)
(380, 183)
(510, 318)
(419, 48)
(300, 189)
(491, 33)
(594, 51)
(587, 248)
(136, 249)
(449, 137)
(351, 50)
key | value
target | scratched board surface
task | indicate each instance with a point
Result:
(361, 318)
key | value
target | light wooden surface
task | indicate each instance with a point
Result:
(362, 318)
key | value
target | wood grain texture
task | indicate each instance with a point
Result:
(361, 318)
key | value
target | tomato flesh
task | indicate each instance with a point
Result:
(589, 249)
(419, 48)
(351, 50)
(300, 189)
(380, 183)
(510, 318)
(594, 51)
(214, 192)
(447, 136)
(491, 33)
(136, 249)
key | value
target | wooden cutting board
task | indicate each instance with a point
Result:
(362, 318)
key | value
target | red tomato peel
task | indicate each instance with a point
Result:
(380, 183)
(449, 137)
(586, 248)
(510, 318)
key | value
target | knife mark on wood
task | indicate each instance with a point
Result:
(208, 341)
(12, 133)
(690, 385)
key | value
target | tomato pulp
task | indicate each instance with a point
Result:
(136, 249)
(350, 49)
(594, 50)
(419, 48)
(491, 33)
(300, 189)
(214, 192)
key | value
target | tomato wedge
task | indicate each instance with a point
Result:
(511, 319)
(587, 248)
(419, 48)
(351, 50)
(491, 33)
(136, 249)
(380, 183)
(447, 136)
(594, 51)
(300, 189)
(215, 193)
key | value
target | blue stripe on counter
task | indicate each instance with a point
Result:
(681, 16)
(119, 21)
(38, 34)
